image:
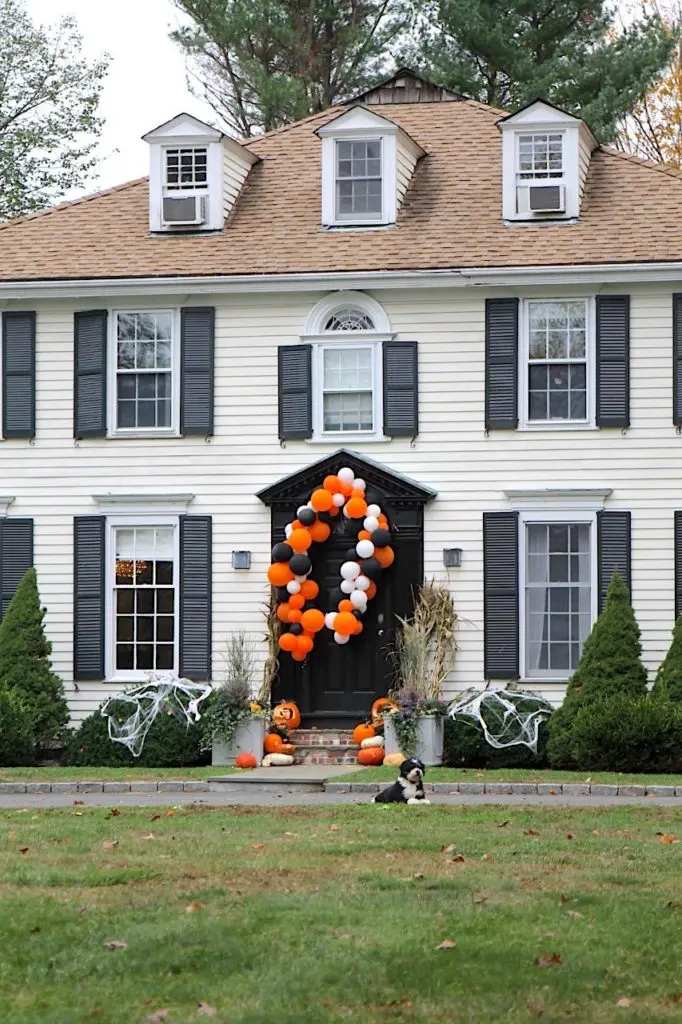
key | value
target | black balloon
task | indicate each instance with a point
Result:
(282, 594)
(282, 552)
(296, 628)
(300, 565)
(325, 517)
(357, 613)
(307, 517)
(371, 568)
(351, 555)
(380, 538)
(336, 595)
(373, 497)
(353, 527)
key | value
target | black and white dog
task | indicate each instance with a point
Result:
(408, 788)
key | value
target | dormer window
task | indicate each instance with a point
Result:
(187, 168)
(358, 180)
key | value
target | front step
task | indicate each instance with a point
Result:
(324, 746)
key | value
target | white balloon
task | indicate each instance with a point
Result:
(293, 586)
(359, 600)
(338, 500)
(345, 512)
(364, 548)
(371, 523)
(300, 509)
(349, 570)
(374, 510)
(288, 530)
(359, 484)
(329, 619)
(301, 579)
(346, 474)
(362, 583)
(348, 586)
(341, 639)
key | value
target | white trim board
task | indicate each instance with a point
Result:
(142, 504)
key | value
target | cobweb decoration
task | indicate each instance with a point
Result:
(508, 718)
(162, 692)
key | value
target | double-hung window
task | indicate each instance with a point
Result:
(540, 156)
(186, 168)
(557, 371)
(145, 372)
(358, 180)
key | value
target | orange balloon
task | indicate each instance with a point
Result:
(357, 493)
(297, 525)
(295, 615)
(383, 521)
(287, 642)
(296, 601)
(384, 556)
(371, 589)
(332, 484)
(321, 500)
(358, 626)
(320, 532)
(346, 488)
(345, 606)
(309, 590)
(304, 644)
(280, 574)
(364, 535)
(300, 540)
(334, 511)
(313, 620)
(283, 612)
(344, 623)
(356, 508)
(298, 655)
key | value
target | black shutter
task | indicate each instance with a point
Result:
(501, 364)
(613, 550)
(16, 556)
(195, 597)
(678, 564)
(677, 359)
(88, 597)
(613, 360)
(90, 374)
(501, 595)
(295, 388)
(401, 389)
(19, 374)
(197, 341)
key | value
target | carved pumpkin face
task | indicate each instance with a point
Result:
(380, 706)
(287, 714)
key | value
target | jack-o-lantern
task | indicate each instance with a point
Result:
(380, 706)
(286, 713)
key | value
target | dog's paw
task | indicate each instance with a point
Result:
(415, 802)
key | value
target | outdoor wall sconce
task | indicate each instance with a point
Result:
(452, 558)
(241, 559)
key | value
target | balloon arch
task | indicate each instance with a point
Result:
(341, 494)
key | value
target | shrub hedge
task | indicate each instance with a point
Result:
(170, 743)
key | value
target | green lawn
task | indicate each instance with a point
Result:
(330, 915)
(385, 774)
(54, 774)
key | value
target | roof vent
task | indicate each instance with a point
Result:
(546, 199)
(184, 211)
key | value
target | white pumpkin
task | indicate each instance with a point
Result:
(373, 741)
(277, 760)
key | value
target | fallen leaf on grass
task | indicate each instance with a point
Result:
(78, 803)
(116, 944)
(530, 832)
(487, 856)
(170, 812)
(459, 859)
(624, 1002)
(155, 817)
(12, 835)
(450, 848)
(570, 835)
(565, 899)
(446, 944)
(78, 814)
(293, 834)
(547, 960)
(257, 846)
(110, 844)
(113, 813)
(206, 1010)
(552, 792)
(334, 828)
(24, 849)
(668, 838)
(503, 824)
(150, 835)
(193, 907)
(574, 913)
(417, 876)
(673, 905)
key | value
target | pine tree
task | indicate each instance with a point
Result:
(25, 666)
(510, 52)
(610, 666)
(668, 683)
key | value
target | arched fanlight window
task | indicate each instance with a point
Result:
(349, 319)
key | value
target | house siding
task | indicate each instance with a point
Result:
(405, 163)
(234, 175)
(53, 478)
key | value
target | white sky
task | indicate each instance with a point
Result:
(146, 84)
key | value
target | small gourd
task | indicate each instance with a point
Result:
(277, 760)
(372, 741)
(371, 756)
(394, 759)
(363, 732)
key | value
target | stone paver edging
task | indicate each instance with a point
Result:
(111, 786)
(517, 789)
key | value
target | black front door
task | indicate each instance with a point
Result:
(336, 685)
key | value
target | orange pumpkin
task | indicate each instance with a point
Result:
(380, 706)
(287, 713)
(371, 755)
(246, 761)
(273, 743)
(287, 748)
(363, 732)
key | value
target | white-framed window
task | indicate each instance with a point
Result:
(359, 181)
(144, 372)
(558, 590)
(186, 168)
(540, 156)
(142, 606)
(557, 363)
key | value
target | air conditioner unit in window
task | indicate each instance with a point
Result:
(546, 199)
(184, 211)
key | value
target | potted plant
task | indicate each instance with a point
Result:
(233, 722)
(425, 654)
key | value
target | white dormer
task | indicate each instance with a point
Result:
(545, 156)
(195, 175)
(367, 163)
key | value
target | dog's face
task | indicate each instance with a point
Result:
(412, 769)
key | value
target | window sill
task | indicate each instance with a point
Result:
(558, 425)
(348, 439)
(368, 226)
(117, 435)
(525, 681)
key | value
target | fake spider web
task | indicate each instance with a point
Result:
(162, 692)
(507, 718)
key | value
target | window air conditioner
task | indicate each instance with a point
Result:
(184, 211)
(546, 199)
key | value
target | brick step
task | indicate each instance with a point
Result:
(322, 737)
(324, 746)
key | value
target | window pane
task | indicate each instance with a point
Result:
(144, 599)
(348, 410)
(358, 180)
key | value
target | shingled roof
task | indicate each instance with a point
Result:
(451, 216)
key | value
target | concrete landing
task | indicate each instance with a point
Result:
(291, 775)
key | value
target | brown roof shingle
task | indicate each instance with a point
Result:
(450, 218)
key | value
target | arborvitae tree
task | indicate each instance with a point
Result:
(610, 666)
(16, 729)
(25, 666)
(668, 683)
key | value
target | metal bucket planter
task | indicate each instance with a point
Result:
(248, 739)
(429, 745)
